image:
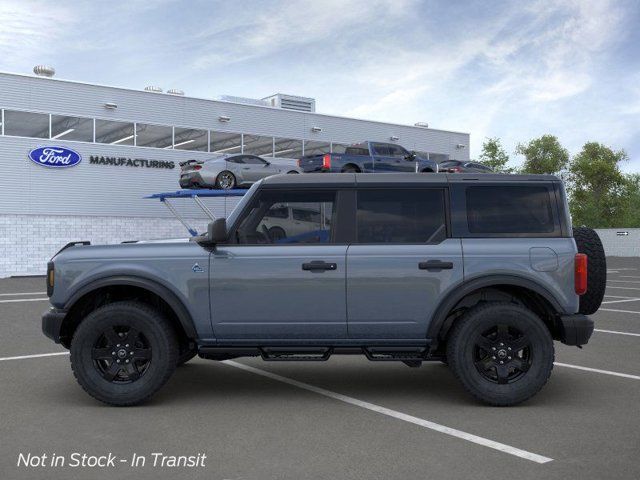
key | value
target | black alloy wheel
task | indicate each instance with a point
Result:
(121, 354)
(502, 354)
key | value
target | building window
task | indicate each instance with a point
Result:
(72, 128)
(287, 148)
(312, 147)
(257, 145)
(114, 133)
(224, 142)
(157, 136)
(191, 139)
(26, 124)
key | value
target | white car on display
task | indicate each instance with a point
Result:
(230, 171)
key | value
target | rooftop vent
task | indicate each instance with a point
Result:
(44, 71)
(152, 88)
(292, 102)
(244, 100)
(175, 91)
(422, 124)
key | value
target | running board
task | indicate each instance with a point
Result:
(293, 354)
(396, 354)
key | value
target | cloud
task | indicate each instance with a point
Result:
(31, 29)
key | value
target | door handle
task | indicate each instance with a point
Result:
(319, 266)
(435, 265)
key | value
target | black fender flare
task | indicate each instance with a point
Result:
(184, 317)
(459, 292)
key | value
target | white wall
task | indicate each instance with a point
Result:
(620, 245)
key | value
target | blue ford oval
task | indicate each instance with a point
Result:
(55, 157)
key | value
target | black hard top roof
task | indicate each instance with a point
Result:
(397, 179)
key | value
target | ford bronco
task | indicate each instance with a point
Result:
(482, 272)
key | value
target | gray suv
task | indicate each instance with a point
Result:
(481, 272)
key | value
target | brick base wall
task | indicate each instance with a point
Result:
(27, 242)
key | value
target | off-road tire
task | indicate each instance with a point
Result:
(588, 242)
(461, 349)
(157, 332)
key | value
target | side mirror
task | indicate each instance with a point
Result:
(217, 231)
(267, 164)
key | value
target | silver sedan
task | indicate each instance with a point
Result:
(229, 171)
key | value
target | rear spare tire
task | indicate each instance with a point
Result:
(588, 242)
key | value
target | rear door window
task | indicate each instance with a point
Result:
(510, 210)
(415, 216)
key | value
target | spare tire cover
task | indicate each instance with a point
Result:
(588, 242)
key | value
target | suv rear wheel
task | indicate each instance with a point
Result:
(501, 352)
(123, 352)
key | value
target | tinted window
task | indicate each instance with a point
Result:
(254, 160)
(449, 163)
(236, 159)
(405, 216)
(381, 149)
(267, 221)
(357, 151)
(397, 151)
(72, 128)
(478, 166)
(509, 209)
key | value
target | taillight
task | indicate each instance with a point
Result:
(580, 276)
(326, 161)
(197, 167)
(298, 162)
(455, 169)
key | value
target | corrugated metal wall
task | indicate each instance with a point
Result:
(101, 190)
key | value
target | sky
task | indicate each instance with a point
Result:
(514, 70)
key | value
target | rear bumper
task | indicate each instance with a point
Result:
(188, 180)
(52, 323)
(575, 329)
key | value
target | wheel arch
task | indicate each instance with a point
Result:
(114, 288)
(352, 165)
(533, 295)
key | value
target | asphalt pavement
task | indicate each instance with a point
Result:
(346, 418)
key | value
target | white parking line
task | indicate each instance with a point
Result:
(39, 355)
(624, 281)
(22, 293)
(24, 300)
(596, 370)
(623, 288)
(622, 301)
(628, 276)
(616, 332)
(395, 414)
(619, 311)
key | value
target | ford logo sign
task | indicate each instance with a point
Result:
(56, 157)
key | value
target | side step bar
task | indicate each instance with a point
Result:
(412, 356)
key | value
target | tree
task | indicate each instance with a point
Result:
(544, 155)
(600, 193)
(631, 216)
(494, 156)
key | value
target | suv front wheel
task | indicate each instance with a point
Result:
(501, 352)
(123, 352)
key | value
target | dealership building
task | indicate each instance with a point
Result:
(129, 144)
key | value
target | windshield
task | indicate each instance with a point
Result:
(231, 219)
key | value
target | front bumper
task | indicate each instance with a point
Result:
(52, 323)
(575, 329)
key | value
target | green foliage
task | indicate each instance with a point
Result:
(600, 192)
(494, 156)
(543, 155)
